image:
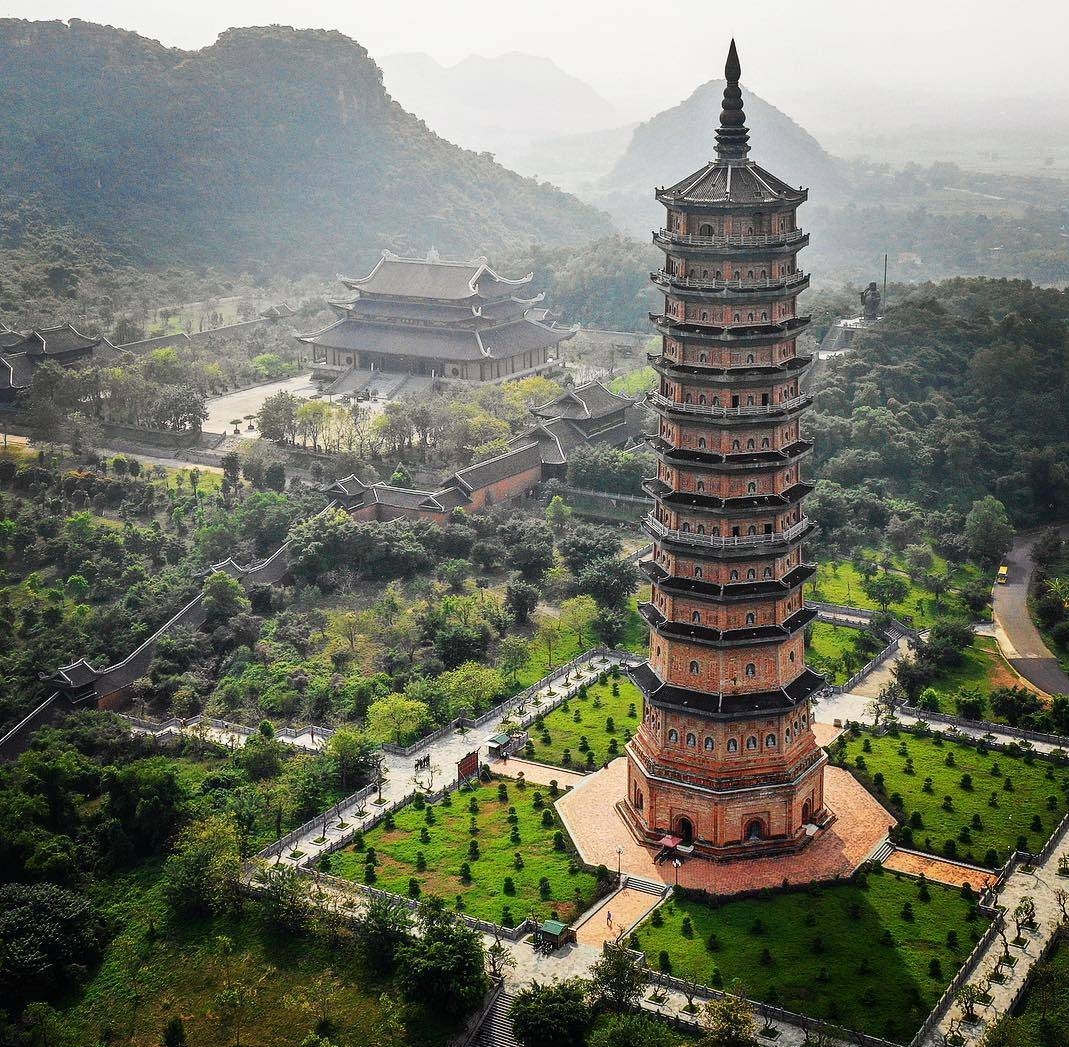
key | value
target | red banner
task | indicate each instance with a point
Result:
(468, 767)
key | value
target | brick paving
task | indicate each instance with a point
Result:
(597, 828)
(938, 869)
(825, 733)
(628, 907)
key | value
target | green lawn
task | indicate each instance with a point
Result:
(565, 729)
(157, 968)
(827, 645)
(842, 953)
(983, 669)
(840, 583)
(1043, 1018)
(972, 825)
(445, 850)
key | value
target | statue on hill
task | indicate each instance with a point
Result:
(870, 302)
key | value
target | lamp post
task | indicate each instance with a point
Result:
(619, 861)
(676, 863)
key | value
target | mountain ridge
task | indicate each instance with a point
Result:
(272, 147)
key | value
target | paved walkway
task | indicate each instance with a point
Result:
(939, 869)
(1039, 884)
(224, 409)
(1015, 631)
(627, 907)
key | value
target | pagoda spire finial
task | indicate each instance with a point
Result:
(732, 136)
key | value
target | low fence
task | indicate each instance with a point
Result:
(988, 727)
(767, 1011)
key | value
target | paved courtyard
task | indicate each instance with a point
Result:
(597, 828)
(221, 409)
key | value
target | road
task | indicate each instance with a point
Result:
(1015, 631)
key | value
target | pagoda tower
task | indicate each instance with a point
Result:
(725, 759)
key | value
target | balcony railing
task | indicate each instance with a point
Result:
(790, 236)
(659, 770)
(709, 283)
(660, 400)
(724, 542)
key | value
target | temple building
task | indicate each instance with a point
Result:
(725, 763)
(426, 316)
(587, 414)
(21, 352)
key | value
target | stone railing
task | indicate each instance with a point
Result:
(660, 400)
(789, 236)
(730, 541)
(713, 283)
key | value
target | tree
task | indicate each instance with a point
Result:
(631, 1030)
(609, 581)
(285, 896)
(558, 512)
(521, 598)
(277, 417)
(618, 978)
(275, 476)
(513, 653)
(555, 1015)
(351, 752)
(585, 543)
(380, 930)
(578, 615)
(203, 875)
(988, 530)
(547, 633)
(224, 598)
(471, 686)
(396, 718)
(50, 936)
(174, 1033)
(444, 967)
(885, 589)
(729, 1022)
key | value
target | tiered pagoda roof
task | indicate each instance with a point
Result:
(435, 309)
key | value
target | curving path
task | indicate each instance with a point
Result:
(1015, 631)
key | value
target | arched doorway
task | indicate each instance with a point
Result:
(755, 830)
(807, 812)
(685, 831)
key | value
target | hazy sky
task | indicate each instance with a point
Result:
(810, 57)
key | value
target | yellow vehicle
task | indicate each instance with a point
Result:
(1003, 575)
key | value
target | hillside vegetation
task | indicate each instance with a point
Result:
(961, 393)
(272, 148)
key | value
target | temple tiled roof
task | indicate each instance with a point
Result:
(511, 463)
(557, 437)
(719, 182)
(591, 400)
(419, 311)
(277, 312)
(77, 674)
(433, 278)
(8, 338)
(53, 341)
(16, 370)
(438, 343)
(349, 486)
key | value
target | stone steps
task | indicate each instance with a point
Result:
(638, 883)
(497, 1030)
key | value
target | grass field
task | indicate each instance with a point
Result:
(840, 583)
(989, 816)
(156, 969)
(829, 643)
(588, 718)
(983, 670)
(842, 953)
(445, 849)
(1044, 1016)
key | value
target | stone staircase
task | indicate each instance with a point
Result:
(497, 1030)
(638, 883)
(883, 852)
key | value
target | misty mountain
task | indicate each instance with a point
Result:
(270, 148)
(497, 104)
(680, 140)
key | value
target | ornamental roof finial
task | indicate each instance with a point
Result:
(732, 136)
